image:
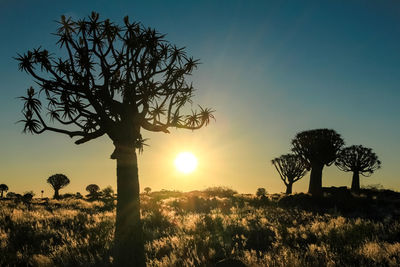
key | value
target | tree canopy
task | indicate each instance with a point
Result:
(113, 80)
(358, 158)
(92, 189)
(317, 146)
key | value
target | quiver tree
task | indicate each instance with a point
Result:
(316, 149)
(115, 81)
(147, 190)
(58, 181)
(93, 190)
(291, 168)
(3, 188)
(359, 160)
(261, 192)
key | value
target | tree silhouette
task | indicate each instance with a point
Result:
(291, 168)
(11, 195)
(147, 190)
(261, 192)
(58, 181)
(114, 81)
(317, 148)
(108, 192)
(93, 190)
(3, 188)
(359, 160)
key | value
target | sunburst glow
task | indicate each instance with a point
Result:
(186, 162)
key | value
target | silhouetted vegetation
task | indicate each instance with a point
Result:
(3, 188)
(220, 191)
(291, 168)
(261, 192)
(359, 160)
(58, 181)
(93, 190)
(147, 190)
(342, 228)
(107, 192)
(317, 148)
(114, 80)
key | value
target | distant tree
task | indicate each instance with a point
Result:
(147, 190)
(27, 197)
(108, 192)
(41, 193)
(291, 168)
(29, 193)
(58, 181)
(93, 190)
(261, 192)
(11, 195)
(3, 188)
(114, 80)
(317, 148)
(359, 160)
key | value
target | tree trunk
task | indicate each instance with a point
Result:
(315, 187)
(355, 184)
(2, 193)
(129, 244)
(289, 188)
(56, 194)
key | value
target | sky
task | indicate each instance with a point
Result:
(270, 69)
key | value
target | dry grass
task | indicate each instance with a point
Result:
(196, 230)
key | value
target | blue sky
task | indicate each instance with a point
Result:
(269, 68)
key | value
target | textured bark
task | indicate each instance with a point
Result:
(129, 246)
(355, 184)
(315, 187)
(289, 188)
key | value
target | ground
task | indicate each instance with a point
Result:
(203, 227)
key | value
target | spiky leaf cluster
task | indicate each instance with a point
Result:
(359, 159)
(319, 146)
(111, 79)
(290, 167)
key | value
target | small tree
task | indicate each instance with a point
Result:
(147, 190)
(11, 195)
(113, 80)
(261, 192)
(108, 192)
(291, 168)
(58, 181)
(93, 190)
(359, 160)
(3, 188)
(317, 148)
(27, 197)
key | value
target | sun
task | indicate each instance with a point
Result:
(186, 162)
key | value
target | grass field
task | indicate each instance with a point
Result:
(201, 228)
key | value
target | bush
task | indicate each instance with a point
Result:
(219, 191)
